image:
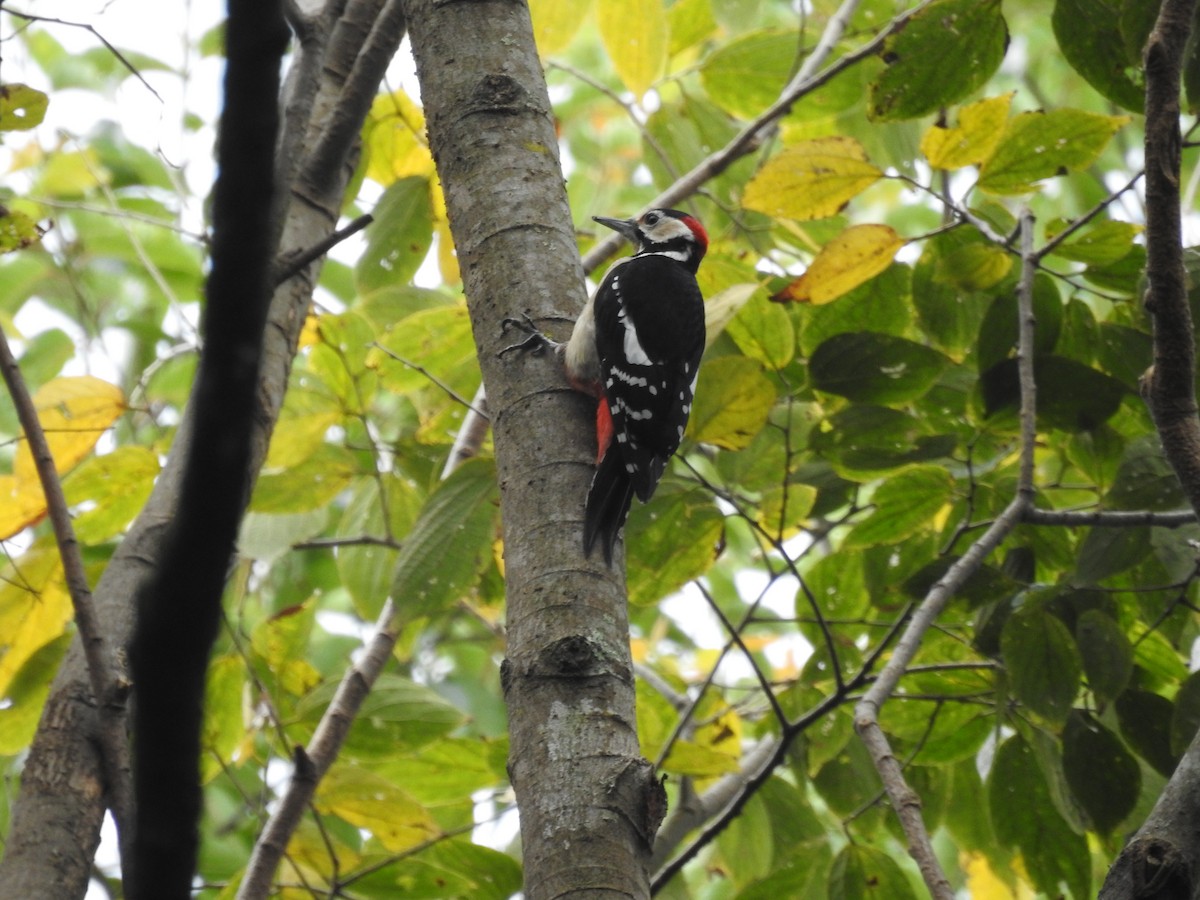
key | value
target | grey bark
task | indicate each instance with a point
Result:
(57, 813)
(589, 804)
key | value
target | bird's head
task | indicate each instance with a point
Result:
(667, 232)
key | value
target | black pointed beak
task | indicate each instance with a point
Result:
(628, 228)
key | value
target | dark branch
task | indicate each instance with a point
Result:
(179, 611)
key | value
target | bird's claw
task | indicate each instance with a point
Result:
(536, 342)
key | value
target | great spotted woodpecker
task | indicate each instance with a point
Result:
(636, 347)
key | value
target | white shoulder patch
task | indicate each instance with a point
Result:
(632, 346)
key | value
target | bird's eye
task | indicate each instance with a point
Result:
(651, 218)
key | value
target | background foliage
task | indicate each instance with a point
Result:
(854, 430)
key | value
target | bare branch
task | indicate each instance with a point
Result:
(905, 801)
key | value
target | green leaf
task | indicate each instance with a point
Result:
(366, 570)
(671, 540)
(398, 717)
(45, 355)
(450, 543)
(1101, 244)
(1039, 145)
(307, 486)
(733, 400)
(1025, 817)
(968, 39)
(883, 305)
(1105, 652)
(434, 342)
(904, 504)
(21, 107)
(17, 230)
(1089, 36)
(1108, 551)
(1145, 721)
(1101, 773)
(691, 21)
(745, 75)
(872, 438)
(868, 367)
(115, 486)
(1070, 395)
(861, 872)
(25, 695)
(399, 239)
(763, 330)
(1042, 662)
(1185, 721)
(998, 332)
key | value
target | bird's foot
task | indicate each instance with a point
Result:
(535, 342)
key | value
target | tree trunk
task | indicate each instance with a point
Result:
(588, 802)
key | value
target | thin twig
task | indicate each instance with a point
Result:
(417, 367)
(29, 17)
(109, 686)
(1053, 244)
(298, 261)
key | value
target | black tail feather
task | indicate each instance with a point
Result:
(607, 504)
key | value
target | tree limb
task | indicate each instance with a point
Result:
(180, 609)
(110, 684)
(905, 800)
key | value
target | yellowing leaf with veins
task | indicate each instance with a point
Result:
(395, 137)
(811, 180)
(969, 143)
(74, 412)
(22, 504)
(855, 256)
(34, 608)
(369, 801)
(635, 35)
(555, 22)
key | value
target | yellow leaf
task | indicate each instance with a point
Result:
(555, 22)
(21, 504)
(980, 126)
(369, 801)
(984, 884)
(309, 334)
(34, 608)
(635, 34)
(811, 180)
(856, 255)
(446, 254)
(74, 412)
(395, 139)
